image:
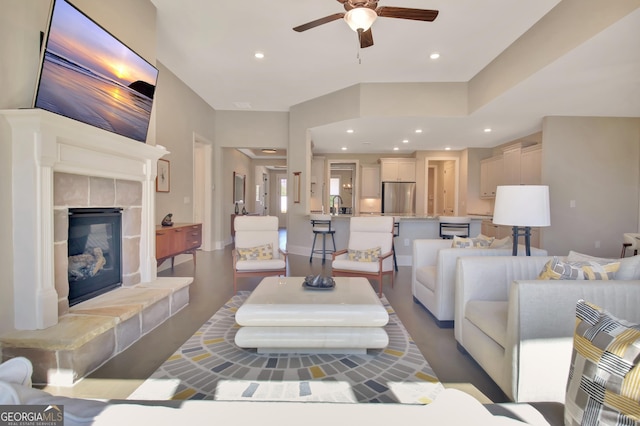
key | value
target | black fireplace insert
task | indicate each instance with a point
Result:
(94, 250)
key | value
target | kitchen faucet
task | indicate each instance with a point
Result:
(340, 202)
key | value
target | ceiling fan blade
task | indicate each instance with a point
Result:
(366, 38)
(318, 22)
(407, 13)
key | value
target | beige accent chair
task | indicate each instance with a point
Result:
(252, 232)
(520, 329)
(433, 273)
(367, 233)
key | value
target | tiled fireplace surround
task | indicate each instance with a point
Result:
(57, 164)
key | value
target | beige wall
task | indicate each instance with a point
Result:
(596, 162)
(181, 115)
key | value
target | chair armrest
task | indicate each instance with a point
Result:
(338, 253)
(425, 251)
(283, 253)
(384, 256)
(489, 278)
(540, 327)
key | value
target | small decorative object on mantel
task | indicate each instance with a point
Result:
(244, 210)
(237, 209)
(167, 220)
(318, 282)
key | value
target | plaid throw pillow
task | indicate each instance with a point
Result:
(557, 269)
(603, 386)
(264, 252)
(368, 255)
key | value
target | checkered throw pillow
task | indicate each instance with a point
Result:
(604, 378)
(264, 252)
(368, 255)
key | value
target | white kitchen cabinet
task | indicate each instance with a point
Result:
(370, 181)
(531, 166)
(491, 175)
(511, 166)
(398, 169)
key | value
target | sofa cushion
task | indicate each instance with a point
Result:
(368, 255)
(490, 316)
(629, 266)
(478, 242)
(558, 269)
(604, 374)
(263, 252)
(427, 276)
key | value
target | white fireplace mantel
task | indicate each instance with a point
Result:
(41, 143)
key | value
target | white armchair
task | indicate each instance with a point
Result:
(433, 274)
(257, 249)
(520, 329)
(358, 260)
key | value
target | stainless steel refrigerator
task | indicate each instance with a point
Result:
(399, 198)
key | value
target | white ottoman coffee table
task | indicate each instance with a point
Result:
(282, 316)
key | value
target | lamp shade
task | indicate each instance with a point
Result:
(522, 205)
(360, 18)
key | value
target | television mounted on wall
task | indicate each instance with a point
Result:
(89, 75)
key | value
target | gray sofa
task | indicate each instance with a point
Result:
(520, 329)
(434, 269)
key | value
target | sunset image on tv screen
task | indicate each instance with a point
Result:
(90, 76)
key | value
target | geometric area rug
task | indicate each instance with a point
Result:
(210, 366)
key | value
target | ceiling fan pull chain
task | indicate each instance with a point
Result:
(359, 43)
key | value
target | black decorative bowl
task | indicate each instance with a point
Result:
(318, 282)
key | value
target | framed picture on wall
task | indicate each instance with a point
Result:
(163, 180)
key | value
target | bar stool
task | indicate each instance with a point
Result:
(630, 241)
(321, 224)
(396, 233)
(451, 226)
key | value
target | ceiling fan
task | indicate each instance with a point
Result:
(361, 14)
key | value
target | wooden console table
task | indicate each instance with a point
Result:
(181, 238)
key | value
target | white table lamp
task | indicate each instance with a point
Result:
(522, 206)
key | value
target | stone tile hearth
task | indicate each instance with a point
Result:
(96, 330)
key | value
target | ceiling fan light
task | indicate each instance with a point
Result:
(360, 18)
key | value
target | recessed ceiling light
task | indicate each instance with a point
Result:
(434, 55)
(344, 148)
(259, 55)
(405, 141)
(268, 151)
(487, 130)
(350, 131)
(395, 148)
(418, 130)
(448, 148)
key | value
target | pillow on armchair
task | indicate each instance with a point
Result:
(480, 241)
(602, 388)
(559, 269)
(629, 266)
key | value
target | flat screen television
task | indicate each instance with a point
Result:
(89, 75)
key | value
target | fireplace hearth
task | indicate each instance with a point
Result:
(94, 252)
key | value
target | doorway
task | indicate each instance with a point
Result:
(442, 187)
(202, 197)
(281, 204)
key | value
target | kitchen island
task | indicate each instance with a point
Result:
(411, 228)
